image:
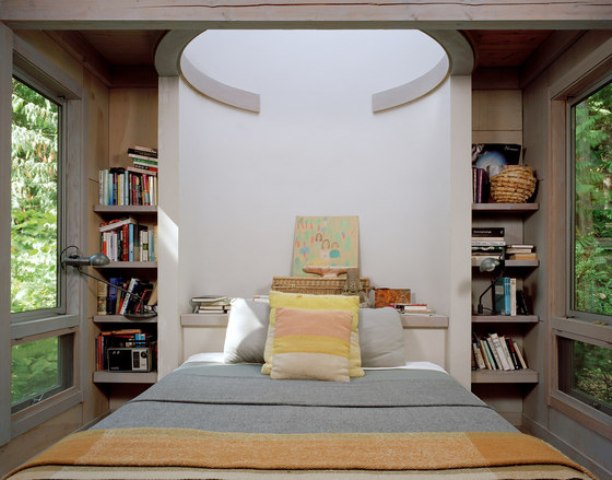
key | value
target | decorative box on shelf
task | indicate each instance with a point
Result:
(318, 286)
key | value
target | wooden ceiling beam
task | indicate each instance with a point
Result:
(204, 14)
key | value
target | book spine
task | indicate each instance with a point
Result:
(499, 352)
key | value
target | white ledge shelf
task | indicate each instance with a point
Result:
(417, 320)
(498, 376)
(125, 377)
(204, 320)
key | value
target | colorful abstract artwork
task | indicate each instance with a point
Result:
(324, 242)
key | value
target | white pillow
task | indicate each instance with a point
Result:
(247, 330)
(381, 337)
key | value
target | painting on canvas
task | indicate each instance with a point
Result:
(325, 242)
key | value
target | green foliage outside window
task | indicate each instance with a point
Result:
(591, 366)
(593, 203)
(35, 370)
(34, 200)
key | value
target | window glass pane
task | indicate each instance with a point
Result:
(34, 200)
(586, 373)
(592, 262)
(40, 369)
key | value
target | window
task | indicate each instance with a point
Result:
(40, 367)
(34, 200)
(582, 385)
(591, 287)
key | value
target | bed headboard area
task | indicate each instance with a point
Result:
(384, 334)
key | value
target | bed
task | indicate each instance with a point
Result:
(210, 419)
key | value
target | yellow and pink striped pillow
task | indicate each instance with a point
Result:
(321, 305)
(311, 344)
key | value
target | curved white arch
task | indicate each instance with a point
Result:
(219, 91)
(169, 61)
(408, 92)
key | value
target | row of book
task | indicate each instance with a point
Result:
(124, 338)
(132, 185)
(122, 296)
(127, 186)
(496, 352)
(212, 304)
(126, 240)
(508, 299)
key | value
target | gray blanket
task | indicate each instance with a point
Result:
(238, 398)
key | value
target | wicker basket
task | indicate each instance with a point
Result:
(317, 286)
(514, 184)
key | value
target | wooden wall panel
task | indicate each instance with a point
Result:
(133, 120)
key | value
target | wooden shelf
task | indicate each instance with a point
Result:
(505, 207)
(505, 319)
(512, 263)
(499, 376)
(125, 377)
(129, 265)
(122, 319)
(125, 209)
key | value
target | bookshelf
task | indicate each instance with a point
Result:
(505, 389)
(146, 272)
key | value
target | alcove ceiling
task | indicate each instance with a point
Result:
(127, 57)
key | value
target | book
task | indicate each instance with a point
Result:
(493, 157)
(144, 151)
(116, 223)
(101, 294)
(488, 232)
(500, 352)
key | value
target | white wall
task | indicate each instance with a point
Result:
(315, 149)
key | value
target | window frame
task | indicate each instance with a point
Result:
(566, 322)
(19, 58)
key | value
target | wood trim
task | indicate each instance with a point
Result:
(582, 331)
(581, 413)
(6, 88)
(125, 377)
(453, 14)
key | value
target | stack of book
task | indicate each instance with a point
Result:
(213, 304)
(126, 296)
(496, 352)
(144, 158)
(487, 242)
(521, 252)
(125, 240)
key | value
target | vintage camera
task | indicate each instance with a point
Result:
(135, 359)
